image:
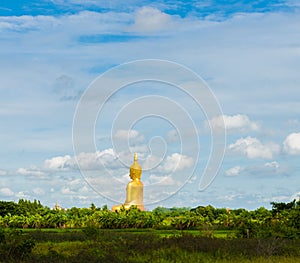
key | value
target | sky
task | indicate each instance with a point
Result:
(182, 70)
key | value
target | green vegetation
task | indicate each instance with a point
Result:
(128, 245)
(30, 232)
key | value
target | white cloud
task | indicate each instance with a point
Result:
(176, 162)
(5, 191)
(291, 144)
(97, 160)
(85, 190)
(26, 22)
(279, 198)
(67, 163)
(234, 171)
(230, 197)
(76, 182)
(149, 19)
(161, 180)
(140, 149)
(116, 163)
(81, 23)
(3, 172)
(22, 195)
(87, 161)
(237, 122)
(292, 3)
(59, 163)
(38, 191)
(253, 148)
(151, 162)
(296, 196)
(67, 191)
(274, 165)
(267, 170)
(129, 135)
(36, 172)
(109, 159)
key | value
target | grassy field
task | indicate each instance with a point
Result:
(147, 245)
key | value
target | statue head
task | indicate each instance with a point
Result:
(135, 169)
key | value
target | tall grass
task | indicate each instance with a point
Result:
(97, 245)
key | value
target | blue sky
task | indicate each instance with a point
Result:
(248, 52)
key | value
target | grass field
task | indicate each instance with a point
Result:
(148, 245)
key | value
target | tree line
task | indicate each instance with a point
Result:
(283, 220)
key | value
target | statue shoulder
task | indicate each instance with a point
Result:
(135, 183)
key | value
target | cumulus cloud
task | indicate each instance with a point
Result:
(151, 161)
(291, 144)
(98, 160)
(86, 161)
(109, 159)
(59, 163)
(253, 148)
(67, 163)
(234, 171)
(5, 191)
(149, 19)
(237, 122)
(176, 162)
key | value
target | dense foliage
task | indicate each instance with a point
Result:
(283, 220)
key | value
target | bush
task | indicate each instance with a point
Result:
(14, 246)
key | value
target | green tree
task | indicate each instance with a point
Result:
(8, 208)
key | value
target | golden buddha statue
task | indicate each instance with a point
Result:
(134, 189)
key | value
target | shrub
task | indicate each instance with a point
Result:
(15, 246)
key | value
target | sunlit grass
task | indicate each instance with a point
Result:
(174, 254)
(66, 249)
